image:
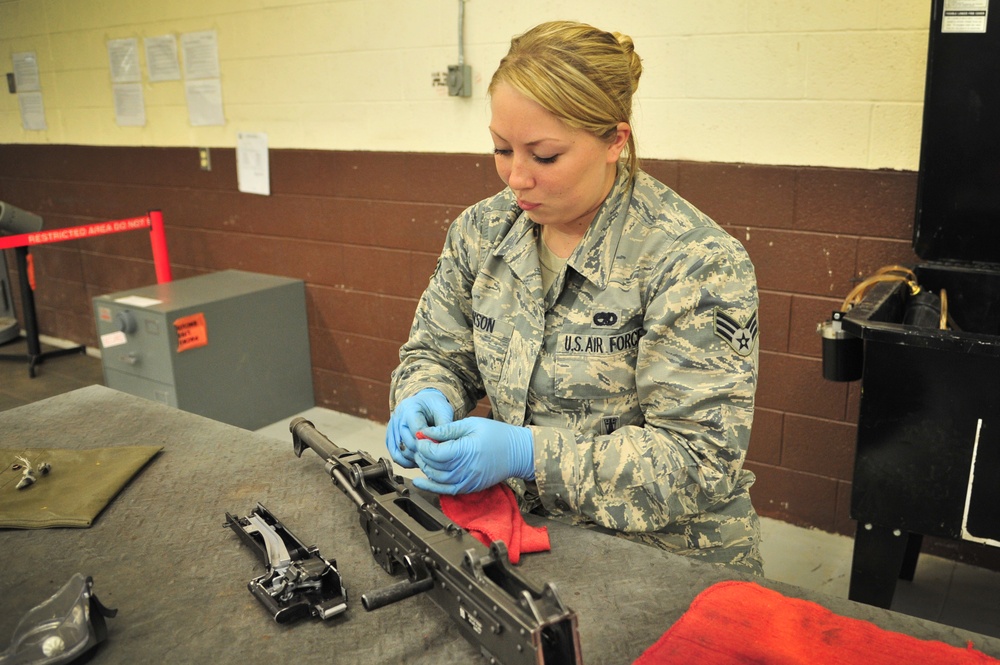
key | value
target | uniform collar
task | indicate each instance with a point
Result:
(518, 245)
(595, 254)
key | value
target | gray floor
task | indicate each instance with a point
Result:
(942, 590)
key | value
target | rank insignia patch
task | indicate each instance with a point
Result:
(741, 337)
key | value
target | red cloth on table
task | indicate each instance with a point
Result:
(492, 514)
(742, 622)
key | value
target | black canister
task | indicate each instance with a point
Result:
(843, 353)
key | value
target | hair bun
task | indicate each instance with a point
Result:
(634, 62)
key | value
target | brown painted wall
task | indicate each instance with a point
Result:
(363, 230)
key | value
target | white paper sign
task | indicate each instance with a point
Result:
(123, 56)
(204, 102)
(138, 301)
(253, 174)
(201, 55)
(161, 58)
(130, 110)
(32, 110)
(26, 71)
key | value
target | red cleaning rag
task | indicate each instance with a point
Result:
(732, 623)
(491, 515)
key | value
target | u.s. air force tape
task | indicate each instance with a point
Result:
(740, 336)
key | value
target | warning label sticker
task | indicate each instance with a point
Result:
(191, 332)
(965, 16)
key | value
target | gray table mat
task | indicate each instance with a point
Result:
(161, 555)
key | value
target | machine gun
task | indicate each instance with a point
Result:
(510, 619)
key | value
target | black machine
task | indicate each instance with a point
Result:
(13, 221)
(510, 619)
(925, 342)
(9, 327)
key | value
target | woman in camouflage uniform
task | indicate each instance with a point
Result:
(612, 325)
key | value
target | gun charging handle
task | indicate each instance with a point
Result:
(420, 581)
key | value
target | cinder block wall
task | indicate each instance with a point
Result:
(834, 83)
(794, 124)
(364, 229)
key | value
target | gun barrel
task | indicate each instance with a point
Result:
(304, 434)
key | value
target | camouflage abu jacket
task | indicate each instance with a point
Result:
(636, 371)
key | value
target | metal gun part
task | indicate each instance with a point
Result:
(298, 582)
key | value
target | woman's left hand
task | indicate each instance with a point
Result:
(473, 454)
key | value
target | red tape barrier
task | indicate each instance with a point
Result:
(153, 221)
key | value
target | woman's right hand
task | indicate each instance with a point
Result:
(427, 408)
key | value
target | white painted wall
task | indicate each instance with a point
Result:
(793, 82)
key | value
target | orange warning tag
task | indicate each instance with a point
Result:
(30, 265)
(191, 332)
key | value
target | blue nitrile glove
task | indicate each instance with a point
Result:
(427, 407)
(473, 454)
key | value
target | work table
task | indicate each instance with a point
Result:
(161, 555)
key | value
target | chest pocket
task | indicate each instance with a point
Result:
(595, 367)
(492, 340)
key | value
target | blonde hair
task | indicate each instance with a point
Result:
(584, 76)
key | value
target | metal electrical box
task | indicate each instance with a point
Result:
(232, 346)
